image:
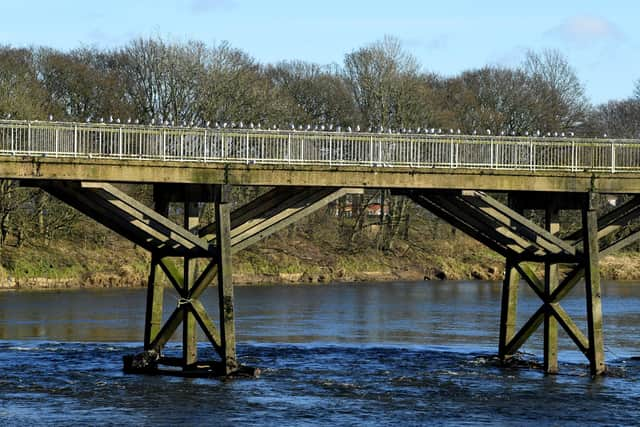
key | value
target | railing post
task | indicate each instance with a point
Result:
(75, 141)
(531, 159)
(204, 150)
(289, 149)
(29, 138)
(181, 146)
(574, 158)
(13, 144)
(164, 145)
(380, 152)
(613, 157)
(247, 146)
(329, 150)
(491, 157)
(371, 149)
(120, 142)
(56, 142)
(451, 153)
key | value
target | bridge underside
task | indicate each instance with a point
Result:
(533, 253)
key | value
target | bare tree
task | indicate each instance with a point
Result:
(619, 119)
(314, 94)
(380, 77)
(21, 93)
(163, 78)
(567, 99)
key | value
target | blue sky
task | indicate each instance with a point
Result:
(600, 38)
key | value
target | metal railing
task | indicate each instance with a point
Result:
(62, 139)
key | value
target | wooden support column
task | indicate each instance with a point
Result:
(595, 351)
(225, 283)
(552, 225)
(155, 288)
(155, 297)
(509, 309)
(189, 332)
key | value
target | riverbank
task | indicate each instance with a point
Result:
(292, 258)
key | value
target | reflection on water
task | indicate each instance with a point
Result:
(410, 353)
(430, 313)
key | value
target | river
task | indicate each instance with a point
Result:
(377, 354)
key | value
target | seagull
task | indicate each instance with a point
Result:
(110, 119)
(88, 120)
(207, 123)
(357, 128)
(348, 128)
(153, 121)
(475, 132)
(50, 117)
(137, 121)
(101, 119)
(488, 131)
(129, 121)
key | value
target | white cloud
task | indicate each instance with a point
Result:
(586, 30)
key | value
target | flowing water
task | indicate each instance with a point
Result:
(379, 354)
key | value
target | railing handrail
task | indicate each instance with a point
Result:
(415, 150)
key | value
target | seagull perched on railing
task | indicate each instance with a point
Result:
(50, 117)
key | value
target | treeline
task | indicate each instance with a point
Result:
(377, 86)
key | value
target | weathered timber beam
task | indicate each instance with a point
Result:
(207, 325)
(470, 214)
(570, 327)
(313, 203)
(255, 208)
(175, 278)
(508, 307)
(144, 213)
(525, 332)
(297, 201)
(511, 218)
(93, 208)
(153, 314)
(463, 226)
(168, 329)
(611, 221)
(532, 279)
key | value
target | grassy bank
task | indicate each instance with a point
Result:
(305, 253)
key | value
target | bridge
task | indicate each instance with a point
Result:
(447, 174)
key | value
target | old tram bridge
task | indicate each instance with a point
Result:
(449, 175)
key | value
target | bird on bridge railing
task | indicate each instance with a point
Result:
(137, 121)
(110, 119)
(50, 117)
(488, 131)
(475, 132)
